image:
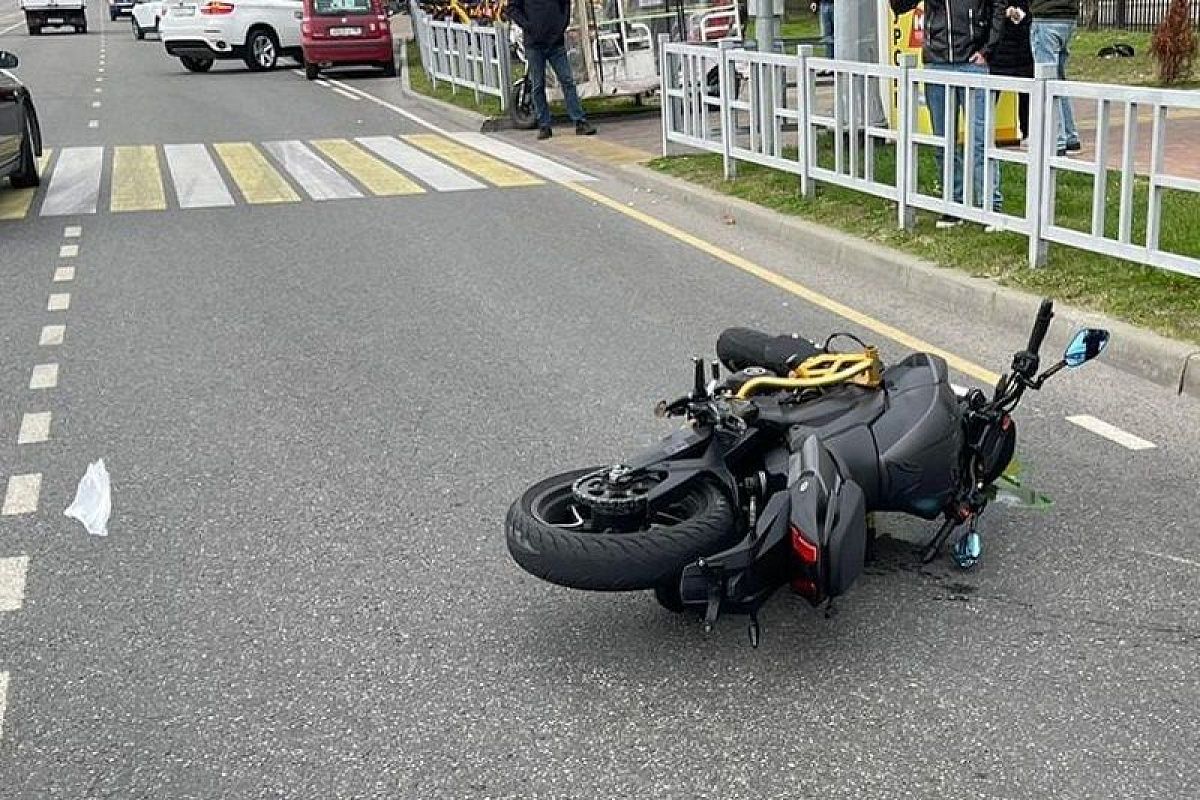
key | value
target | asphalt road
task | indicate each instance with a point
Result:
(315, 415)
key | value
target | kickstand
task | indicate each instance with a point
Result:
(713, 609)
(930, 551)
(755, 631)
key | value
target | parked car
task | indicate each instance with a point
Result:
(118, 7)
(20, 135)
(256, 31)
(343, 33)
(146, 15)
(54, 14)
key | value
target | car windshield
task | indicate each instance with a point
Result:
(333, 8)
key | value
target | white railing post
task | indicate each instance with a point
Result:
(805, 141)
(504, 55)
(727, 80)
(1039, 180)
(664, 81)
(906, 217)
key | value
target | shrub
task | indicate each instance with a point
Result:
(1174, 43)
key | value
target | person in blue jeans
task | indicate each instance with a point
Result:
(1053, 27)
(960, 36)
(824, 11)
(544, 25)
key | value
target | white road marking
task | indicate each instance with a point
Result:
(1177, 559)
(93, 123)
(63, 274)
(12, 586)
(59, 301)
(98, 90)
(21, 497)
(391, 107)
(44, 376)
(12, 27)
(418, 164)
(344, 93)
(532, 162)
(35, 428)
(321, 82)
(95, 104)
(75, 185)
(3, 676)
(68, 251)
(52, 335)
(321, 181)
(99, 80)
(1110, 432)
(100, 69)
(198, 184)
(72, 232)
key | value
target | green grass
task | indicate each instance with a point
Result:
(1085, 65)
(1163, 301)
(489, 106)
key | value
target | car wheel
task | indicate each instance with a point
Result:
(196, 64)
(311, 71)
(389, 68)
(26, 175)
(82, 28)
(262, 51)
(34, 30)
(138, 33)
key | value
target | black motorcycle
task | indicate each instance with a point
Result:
(775, 473)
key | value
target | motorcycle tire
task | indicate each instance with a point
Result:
(610, 561)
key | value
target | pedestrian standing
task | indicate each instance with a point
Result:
(1013, 55)
(824, 11)
(543, 26)
(1053, 28)
(960, 36)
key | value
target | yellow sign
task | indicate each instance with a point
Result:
(906, 34)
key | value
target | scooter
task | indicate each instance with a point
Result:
(774, 476)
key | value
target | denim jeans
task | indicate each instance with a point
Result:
(1050, 40)
(825, 9)
(557, 58)
(935, 96)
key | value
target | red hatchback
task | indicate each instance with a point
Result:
(344, 33)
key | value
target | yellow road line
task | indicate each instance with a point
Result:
(137, 180)
(472, 160)
(258, 181)
(378, 177)
(787, 284)
(14, 203)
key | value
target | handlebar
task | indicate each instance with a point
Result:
(1041, 326)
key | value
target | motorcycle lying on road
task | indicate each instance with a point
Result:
(775, 473)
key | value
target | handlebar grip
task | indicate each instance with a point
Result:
(739, 348)
(1041, 326)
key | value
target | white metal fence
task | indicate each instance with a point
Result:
(473, 57)
(864, 133)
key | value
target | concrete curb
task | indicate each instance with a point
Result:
(1166, 362)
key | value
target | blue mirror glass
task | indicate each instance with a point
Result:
(1087, 344)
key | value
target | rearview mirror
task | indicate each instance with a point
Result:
(7, 60)
(1087, 344)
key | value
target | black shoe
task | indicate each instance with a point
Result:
(1074, 147)
(948, 221)
(544, 133)
(584, 128)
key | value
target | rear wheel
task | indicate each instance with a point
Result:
(196, 64)
(311, 71)
(26, 175)
(556, 532)
(389, 68)
(262, 51)
(34, 30)
(520, 106)
(138, 33)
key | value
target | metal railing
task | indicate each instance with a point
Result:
(473, 57)
(1138, 15)
(863, 134)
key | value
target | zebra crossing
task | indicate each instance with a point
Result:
(146, 178)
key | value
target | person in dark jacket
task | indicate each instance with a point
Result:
(1013, 56)
(544, 25)
(960, 36)
(1053, 27)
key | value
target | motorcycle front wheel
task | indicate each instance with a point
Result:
(554, 537)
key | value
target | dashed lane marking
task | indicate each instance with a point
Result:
(44, 376)
(1111, 432)
(3, 700)
(59, 301)
(21, 496)
(52, 335)
(72, 232)
(12, 582)
(35, 428)
(64, 274)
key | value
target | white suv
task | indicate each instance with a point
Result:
(256, 31)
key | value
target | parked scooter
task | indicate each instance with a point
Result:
(773, 476)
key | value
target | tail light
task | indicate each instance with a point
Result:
(306, 26)
(806, 551)
(809, 556)
(216, 8)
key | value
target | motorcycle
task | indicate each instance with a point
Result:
(776, 471)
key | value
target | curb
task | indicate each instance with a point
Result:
(1166, 362)
(461, 116)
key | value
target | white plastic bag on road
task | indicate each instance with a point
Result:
(93, 500)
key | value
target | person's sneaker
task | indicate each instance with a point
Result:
(584, 128)
(544, 133)
(1074, 147)
(948, 221)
